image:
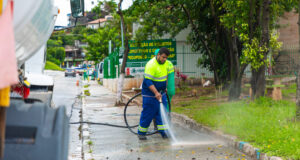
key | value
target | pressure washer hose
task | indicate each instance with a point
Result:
(125, 117)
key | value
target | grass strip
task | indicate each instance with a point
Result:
(266, 124)
(52, 66)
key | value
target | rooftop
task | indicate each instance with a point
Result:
(100, 20)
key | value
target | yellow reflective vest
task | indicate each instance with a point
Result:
(170, 68)
(155, 71)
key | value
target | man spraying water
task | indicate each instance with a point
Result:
(153, 88)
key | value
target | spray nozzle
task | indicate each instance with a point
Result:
(160, 100)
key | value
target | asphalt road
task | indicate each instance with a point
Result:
(65, 93)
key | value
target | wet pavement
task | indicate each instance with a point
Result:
(104, 142)
(97, 142)
(66, 93)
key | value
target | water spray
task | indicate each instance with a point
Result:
(166, 121)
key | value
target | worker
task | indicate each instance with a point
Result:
(170, 80)
(153, 91)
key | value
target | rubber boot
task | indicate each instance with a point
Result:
(142, 137)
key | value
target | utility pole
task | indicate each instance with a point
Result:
(109, 47)
(122, 36)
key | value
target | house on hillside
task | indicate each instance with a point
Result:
(101, 22)
(88, 16)
(74, 57)
(96, 23)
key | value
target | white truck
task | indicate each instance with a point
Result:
(32, 130)
(41, 85)
(33, 24)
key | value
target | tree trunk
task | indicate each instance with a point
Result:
(258, 82)
(235, 74)
(298, 75)
(218, 35)
(125, 55)
(258, 76)
(298, 96)
(120, 88)
(235, 88)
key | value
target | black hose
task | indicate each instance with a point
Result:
(125, 109)
(125, 117)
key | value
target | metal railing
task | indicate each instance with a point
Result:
(187, 61)
(286, 62)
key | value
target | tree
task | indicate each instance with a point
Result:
(240, 30)
(55, 52)
(97, 48)
(254, 22)
(126, 51)
(104, 8)
(65, 37)
(207, 34)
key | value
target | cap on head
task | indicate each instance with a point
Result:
(156, 52)
(164, 50)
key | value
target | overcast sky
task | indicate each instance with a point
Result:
(64, 6)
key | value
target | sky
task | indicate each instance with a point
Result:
(64, 6)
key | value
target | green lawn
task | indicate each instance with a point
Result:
(52, 66)
(264, 123)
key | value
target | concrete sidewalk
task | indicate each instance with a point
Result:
(104, 142)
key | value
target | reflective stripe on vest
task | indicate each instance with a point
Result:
(170, 70)
(152, 77)
(170, 67)
(155, 71)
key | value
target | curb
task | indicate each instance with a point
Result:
(126, 98)
(85, 133)
(244, 147)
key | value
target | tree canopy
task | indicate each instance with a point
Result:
(230, 34)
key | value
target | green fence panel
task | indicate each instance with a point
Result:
(105, 68)
(112, 67)
(110, 63)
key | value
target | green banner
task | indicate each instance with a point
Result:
(144, 51)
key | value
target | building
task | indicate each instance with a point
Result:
(74, 57)
(288, 31)
(288, 59)
(88, 16)
(101, 22)
(96, 23)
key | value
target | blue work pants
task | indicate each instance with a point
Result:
(151, 110)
